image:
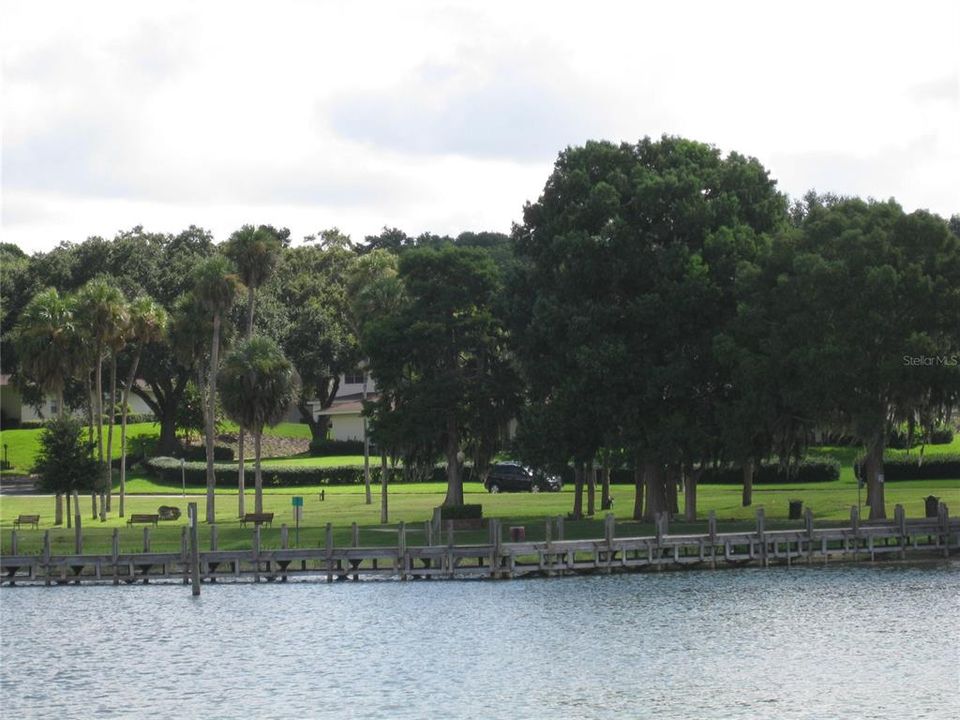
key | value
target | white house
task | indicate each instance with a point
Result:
(346, 421)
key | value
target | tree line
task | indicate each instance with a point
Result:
(661, 307)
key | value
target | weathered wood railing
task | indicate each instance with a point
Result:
(897, 538)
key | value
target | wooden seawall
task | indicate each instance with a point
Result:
(899, 538)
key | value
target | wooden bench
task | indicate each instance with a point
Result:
(145, 519)
(257, 519)
(27, 520)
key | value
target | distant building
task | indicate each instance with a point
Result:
(16, 411)
(346, 420)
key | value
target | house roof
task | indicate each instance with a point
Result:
(347, 404)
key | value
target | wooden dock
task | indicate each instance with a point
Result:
(900, 538)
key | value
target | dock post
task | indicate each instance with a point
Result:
(900, 517)
(450, 543)
(184, 555)
(146, 539)
(77, 529)
(14, 550)
(402, 549)
(808, 523)
(609, 529)
(194, 548)
(46, 557)
(559, 527)
(712, 530)
(284, 537)
(256, 552)
(214, 536)
(761, 535)
(855, 524)
(355, 535)
(328, 543)
(944, 516)
(428, 532)
(115, 554)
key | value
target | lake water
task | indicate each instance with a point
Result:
(878, 641)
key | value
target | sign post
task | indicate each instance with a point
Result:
(297, 503)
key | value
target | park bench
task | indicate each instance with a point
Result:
(256, 519)
(27, 520)
(144, 518)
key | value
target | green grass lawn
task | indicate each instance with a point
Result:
(414, 503)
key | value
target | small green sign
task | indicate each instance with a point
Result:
(298, 502)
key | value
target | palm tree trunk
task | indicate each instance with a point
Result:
(69, 516)
(690, 495)
(241, 473)
(58, 502)
(654, 480)
(110, 424)
(211, 414)
(99, 402)
(384, 480)
(366, 446)
(131, 377)
(258, 476)
(605, 499)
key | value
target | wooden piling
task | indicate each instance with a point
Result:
(146, 539)
(712, 532)
(559, 527)
(855, 525)
(46, 557)
(761, 536)
(402, 549)
(194, 548)
(256, 552)
(77, 528)
(900, 517)
(355, 535)
(14, 550)
(185, 553)
(214, 536)
(328, 546)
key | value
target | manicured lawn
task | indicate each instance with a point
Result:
(22, 445)
(414, 503)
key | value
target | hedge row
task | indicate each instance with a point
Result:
(808, 471)
(195, 473)
(322, 448)
(939, 467)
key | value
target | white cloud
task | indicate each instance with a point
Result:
(446, 115)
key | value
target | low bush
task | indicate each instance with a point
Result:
(461, 512)
(221, 453)
(937, 467)
(324, 447)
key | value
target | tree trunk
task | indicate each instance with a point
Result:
(606, 502)
(384, 481)
(93, 501)
(577, 491)
(90, 408)
(690, 495)
(211, 415)
(58, 509)
(98, 389)
(69, 514)
(258, 475)
(875, 487)
(366, 447)
(241, 474)
(655, 480)
(591, 489)
(638, 492)
(673, 479)
(454, 479)
(167, 442)
(748, 469)
(110, 424)
(131, 377)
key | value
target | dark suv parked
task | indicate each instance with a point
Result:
(514, 477)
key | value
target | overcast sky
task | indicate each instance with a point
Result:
(447, 116)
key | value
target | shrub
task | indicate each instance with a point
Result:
(461, 512)
(324, 447)
(221, 453)
(941, 436)
(938, 467)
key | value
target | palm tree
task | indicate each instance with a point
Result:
(257, 385)
(255, 252)
(101, 310)
(115, 344)
(147, 324)
(45, 341)
(215, 288)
